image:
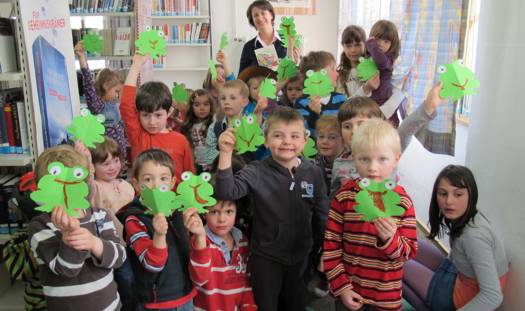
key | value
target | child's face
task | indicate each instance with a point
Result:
(332, 73)
(201, 107)
(232, 102)
(221, 78)
(152, 175)
(452, 201)
(221, 218)
(254, 84)
(112, 93)
(384, 45)
(329, 142)
(286, 141)
(109, 169)
(377, 163)
(348, 127)
(354, 50)
(155, 122)
(294, 90)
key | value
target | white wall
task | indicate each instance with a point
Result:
(319, 31)
(496, 146)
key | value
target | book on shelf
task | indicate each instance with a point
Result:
(175, 7)
(13, 129)
(101, 6)
(190, 33)
(122, 42)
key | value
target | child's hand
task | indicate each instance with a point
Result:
(351, 299)
(82, 239)
(139, 59)
(226, 141)
(82, 149)
(386, 228)
(193, 222)
(433, 99)
(262, 104)
(372, 84)
(221, 57)
(315, 104)
(63, 221)
(160, 224)
(79, 50)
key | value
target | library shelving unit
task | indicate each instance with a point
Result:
(19, 80)
(187, 26)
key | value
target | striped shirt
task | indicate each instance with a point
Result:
(354, 258)
(329, 105)
(77, 280)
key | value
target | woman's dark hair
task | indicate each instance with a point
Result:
(260, 4)
(351, 34)
(191, 118)
(460, 177)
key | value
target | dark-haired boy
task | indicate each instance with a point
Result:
(146, 119)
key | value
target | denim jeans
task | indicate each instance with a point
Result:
(124, 278)
(441, 289)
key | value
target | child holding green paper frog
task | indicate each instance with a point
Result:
(366, 266)
(102, 97)
(319, 65)
(152, 240)
(76, 253)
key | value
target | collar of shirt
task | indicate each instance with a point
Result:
(237, 236)
(325, 100)
(275, 38)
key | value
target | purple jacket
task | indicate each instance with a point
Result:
(385, 63)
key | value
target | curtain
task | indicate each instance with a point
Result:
(431, 35)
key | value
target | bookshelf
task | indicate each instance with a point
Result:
(18, 109)
(188, 45)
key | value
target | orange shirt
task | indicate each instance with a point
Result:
(175, 144)
(467, 288)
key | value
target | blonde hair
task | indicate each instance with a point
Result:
(327, 121)
(238, 85)
(64, 154)
(375, 133)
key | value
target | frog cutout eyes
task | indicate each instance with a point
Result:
(101, 118)
(55, 170)
(160, 33)
(390, 185)
(361, 59)
(148, 28)
(78, 173)
(206, 176)
(442, 69)
(309, 73)
(273, 81)
(164, 188)
(237, 123)
(308, 133)
(249, 119)
(284, 18)
(323, 71)
(185, 176)
(365, 182)
(84, 112)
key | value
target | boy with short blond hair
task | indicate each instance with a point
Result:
(76, 255)
(289, 193)
(145, 113)
(363, 260)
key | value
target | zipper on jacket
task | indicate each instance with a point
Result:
(154, 292)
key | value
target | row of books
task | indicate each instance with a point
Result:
(175, 7)
(115, 41)
(101, 6)
(191, 33)
(13, 125)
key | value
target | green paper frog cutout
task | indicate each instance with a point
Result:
(159, 200)
(378, 200)
(224, 41)
(317, 83)
(87, 128)
(458, 80)
(63, 186)
(151, 41)
(179, 93)
(287, 69)
(287, 31)
(366, 69)
(213, 69)
(268, 88)
(92, 43)
(248, 134)
(195, 191)
(309, 150)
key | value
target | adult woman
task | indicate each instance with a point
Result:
(474, 274)
(261, 16)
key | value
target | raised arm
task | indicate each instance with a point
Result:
(382, 61)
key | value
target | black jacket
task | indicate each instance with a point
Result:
(173, 282)
(285, 206)
(248, 52)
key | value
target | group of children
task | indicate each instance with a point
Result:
(184, 263)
